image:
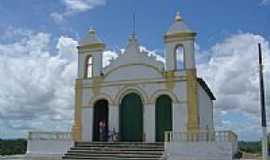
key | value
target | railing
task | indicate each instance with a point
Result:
(49, 136)
(201, 136)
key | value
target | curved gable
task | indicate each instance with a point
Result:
(134, 71)
(134, 65)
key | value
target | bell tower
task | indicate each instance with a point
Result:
(90, 56)
(90, 52)
(180, 40)
(179, 36)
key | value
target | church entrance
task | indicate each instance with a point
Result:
(163, 116)
(100, 116)
(131, 118)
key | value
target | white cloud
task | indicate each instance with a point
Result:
(75, 6)
(231, 70)
(67, 48)
(36, 90)
(57, 17)
(37, 85)
(108, 56)
(265, 2)
(153, 53)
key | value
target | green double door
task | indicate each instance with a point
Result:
(163, 116)
(131, 118)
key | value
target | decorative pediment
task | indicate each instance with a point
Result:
(134, 57)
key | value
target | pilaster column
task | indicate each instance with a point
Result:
(114, 117)
(87, 124)
(76, 129)
(149, 122)
(192, 100)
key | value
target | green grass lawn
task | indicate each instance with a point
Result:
(12, 147)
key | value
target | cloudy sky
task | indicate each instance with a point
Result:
(38, 55)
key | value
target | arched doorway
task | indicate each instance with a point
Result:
(131, 118)
(163, 116)
(100, 114)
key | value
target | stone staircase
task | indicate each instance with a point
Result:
(115, 151)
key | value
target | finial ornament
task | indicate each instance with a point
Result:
(92, 30)
(178, 17)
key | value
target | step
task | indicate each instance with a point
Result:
(114, 155)
(119, 148)
(115, 149)
(116, 152)
(129, 143)
(109, 158)
(118, 145)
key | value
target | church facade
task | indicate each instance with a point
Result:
(137, 96)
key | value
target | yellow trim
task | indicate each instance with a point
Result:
(180, 34)
(92, 46)
(192, 100)
(89, 84)
(175, 37)
(97, 82)
(100, 97)
(76, 129)
(170, 77)
(160, 92)
(132, 88)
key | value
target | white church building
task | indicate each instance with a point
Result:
(137, 95)
(143, 100)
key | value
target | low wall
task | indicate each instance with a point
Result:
(13, 157)
(198, 151)
(200, 145)
(48, 145)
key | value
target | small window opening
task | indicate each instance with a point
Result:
(89, 67)
(180, 58)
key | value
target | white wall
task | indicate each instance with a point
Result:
(205, 109)
(48, 148)
(179, 111)
(13, 157)
(87, 123)
(127, 73)
(198, 151)
(149, 91)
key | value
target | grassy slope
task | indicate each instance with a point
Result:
(12, 147)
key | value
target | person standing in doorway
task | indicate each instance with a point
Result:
(102, 132)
